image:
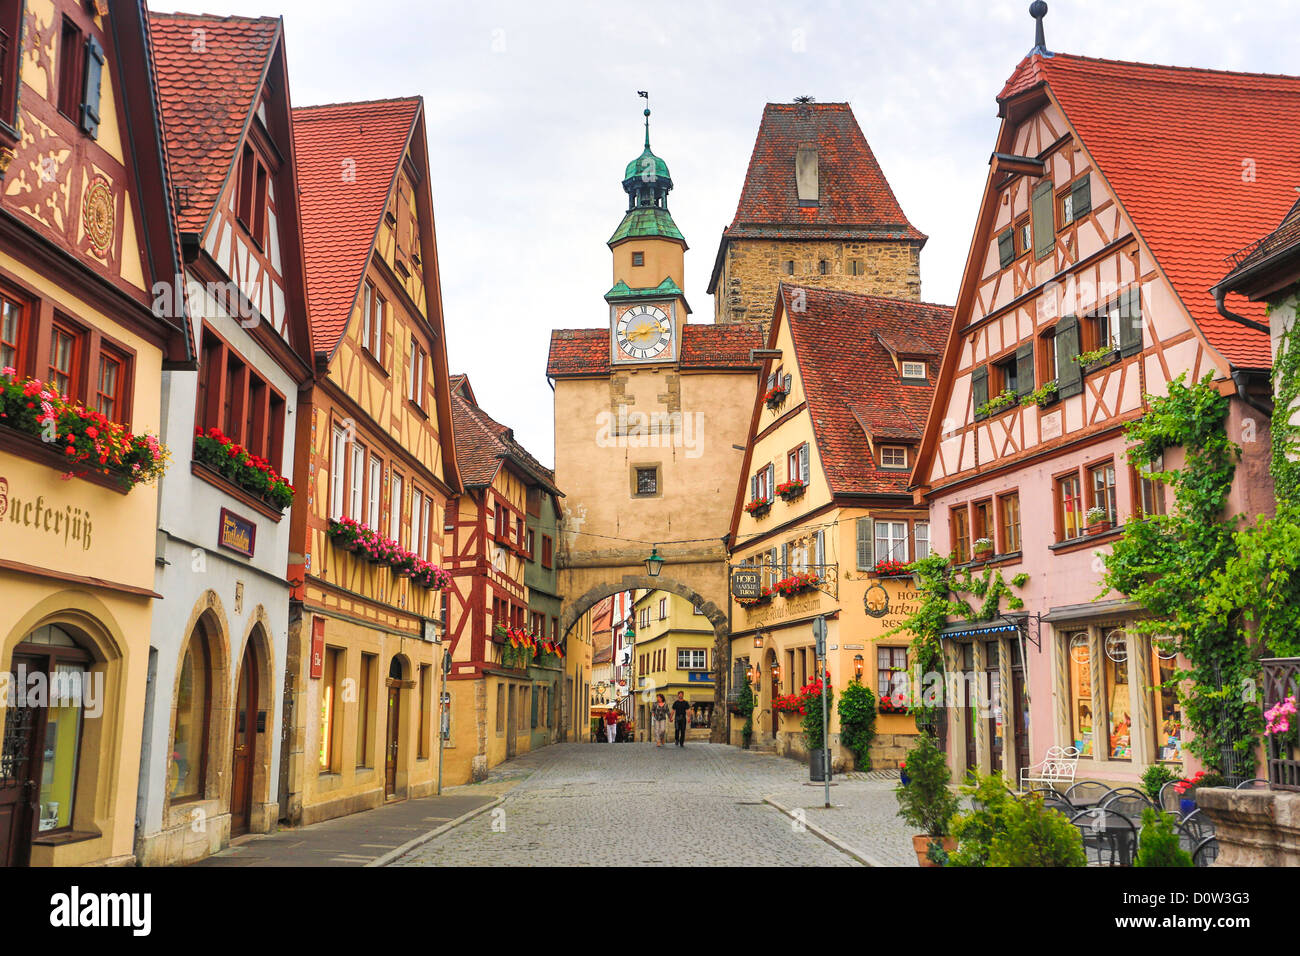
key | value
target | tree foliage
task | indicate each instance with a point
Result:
(926, 802)
(1158, 843)
(857, 708)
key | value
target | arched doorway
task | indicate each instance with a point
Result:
(392, 736)
(244, 756)
(770, 681)
(42, 740)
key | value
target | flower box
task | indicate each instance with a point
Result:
(764, 597)
(774, 396)
(796, 584)
(759, 507)
(891, 569)
(791, 490)
(238, 465)
(982, 549)
(351, 535)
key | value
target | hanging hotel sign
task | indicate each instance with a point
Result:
(876, 601)
(236, 534)
(746, 585)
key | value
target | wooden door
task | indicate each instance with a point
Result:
(245, 746)
(1020, 704)
(969, 687)
(390, 756)
(20, 760)
(511, 721)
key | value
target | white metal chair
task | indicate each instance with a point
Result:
(1057, 768)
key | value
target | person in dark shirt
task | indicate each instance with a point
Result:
(680, 709)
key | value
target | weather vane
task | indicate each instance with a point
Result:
(646, 96)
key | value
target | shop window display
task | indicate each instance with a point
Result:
(1119, 717)
(1169, 715)
(1081, 705)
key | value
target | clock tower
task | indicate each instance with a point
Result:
(647, 306)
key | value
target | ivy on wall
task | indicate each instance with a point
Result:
(1172, 564)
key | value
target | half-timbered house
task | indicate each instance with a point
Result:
(86, 242)
(1112, 198)
(374, 465)
(503, 663)
(213, 714)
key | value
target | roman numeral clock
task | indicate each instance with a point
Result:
(644, 332)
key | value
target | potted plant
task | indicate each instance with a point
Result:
(1043, 396)
(1096, 358)
(792, 489)
(891, 569)
(764, 597)
(1098, 520)
(759, 507)
(983, 548)
(1187, 787)
(775, 395)
(902, 773)
(745, 708)
(926, 802)
(1004, 399)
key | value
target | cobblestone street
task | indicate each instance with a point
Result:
(704, 805)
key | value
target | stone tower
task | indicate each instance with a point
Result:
(815, 210)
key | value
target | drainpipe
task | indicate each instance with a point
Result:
(1219, 294)
(1239, 379)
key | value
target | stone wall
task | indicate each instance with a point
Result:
(1253, 827)
(753, 268)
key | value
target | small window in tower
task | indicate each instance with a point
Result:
(789, 267)
(821, 266)
(855, 267)
(638, 258)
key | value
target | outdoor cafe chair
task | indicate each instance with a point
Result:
(1171, 800)
(1086, 793)
(1109, 838)
(1127, 800)
(1258, 783)
(1193, 830)
(1206, 852)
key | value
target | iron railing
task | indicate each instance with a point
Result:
(1281, 680)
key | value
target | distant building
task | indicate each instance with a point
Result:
(673, 653)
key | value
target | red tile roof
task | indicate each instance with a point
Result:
(206, 99)
(482, 443)
(341, 214)
(577, 352)
(1203, 161)
(854, 196)
(851, 382)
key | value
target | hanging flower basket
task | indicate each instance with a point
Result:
(790, 490)
(764, 597)
(759, 507)
(351, 535)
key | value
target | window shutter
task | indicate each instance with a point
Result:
(1006, 248)
(785, 560)
(90, 91)
(804, 468)
(1130, 321)
(786, 381)
(771, 381)
(1025, 368)
(771, 478)
(1044, 219)
(753, 487)
(1069, 376)
(1082, 191)
(865, 532)
(819, 550)
(979, 386)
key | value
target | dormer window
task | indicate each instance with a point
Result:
(914, 370)
(250, 203)
(893, 456)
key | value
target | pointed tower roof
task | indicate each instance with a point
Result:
(647, 183)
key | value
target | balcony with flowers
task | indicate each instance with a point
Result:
(351, 535)
(775, 395)
(223, 457)
(39, 423)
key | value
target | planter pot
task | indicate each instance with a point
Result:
(921, 844)
(1099, 528)
(1187, 805)
(818, 765)
(903, 777)
(984, 555)
(775, 401)
(761, 512)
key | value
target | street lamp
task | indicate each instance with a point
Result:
(776, 676)
(857, 665)
(758, 639)
(654, 564)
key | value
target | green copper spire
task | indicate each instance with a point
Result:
(647, 184)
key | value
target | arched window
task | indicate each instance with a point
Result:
(189, 758)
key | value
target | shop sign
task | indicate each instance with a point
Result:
(317, 647)
(700, 677)
(236, 533)
(876, 601)
(746, 585)
(69, 523)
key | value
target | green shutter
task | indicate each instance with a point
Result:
(979, 386)
(90, 93)
(865, 533)
(1082, 196)
(1069, 376)
(1025, 368)
(1044, 219)
(1130, 321)
(1006, 248)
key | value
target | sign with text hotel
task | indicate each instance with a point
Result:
(236, 533)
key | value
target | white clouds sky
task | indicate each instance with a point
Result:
(532, 114)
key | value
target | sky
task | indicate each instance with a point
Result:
(532, 114)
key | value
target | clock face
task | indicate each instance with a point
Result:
(643, 332)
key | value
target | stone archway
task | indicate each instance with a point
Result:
(574, 607)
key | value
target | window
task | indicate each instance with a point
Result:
(374, 487)
(959, 522)
(983, 515)
(864, 542)
(891, 672)
(921, 540)
(190, 727)
(663, 608)
(1069, 507)
(250, 202)
(234, 398)
(395, 509)
(647, 482)
(1103, 329)
(789, 267)
(1047, 356)
(1009, 522)
(690, 659)
(501, 709)
(914, 370)
(426, 710)
(1004, 377)
(1079, 649)
(338, 446)
(1073, 202)
(65, 344)
(891, 541)
(1101, 481)
(1168, 711)
(1024, 236)
(363, 709)
(548, 551)
(761, 483)
(1119, 723)
(1149, 493)
(358, 482)
(821, 266)
(797, 464)
(1006, 248)
(893, 456)
(415, 374)
(12, 340)
(374, 311)
(420, 522)
(638, 258)
(11, 27)
(855, 267)
(72, 59)
(329, 687)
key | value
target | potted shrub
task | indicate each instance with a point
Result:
(745, 708)
(1001, 830)
(983, 549)
(926, 802)
(1098, 520)
(1154, 779)
(902, 773)
(1158, 843)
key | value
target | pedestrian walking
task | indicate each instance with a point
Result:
(611, 724)
(680, 709)
(659, 719)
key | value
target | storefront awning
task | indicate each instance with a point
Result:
(1079, 612)
(967, 630)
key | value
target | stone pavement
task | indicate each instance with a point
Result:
(359, 839)
(702, 805)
